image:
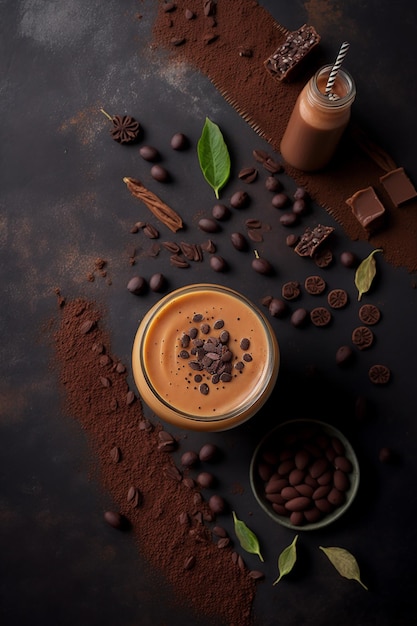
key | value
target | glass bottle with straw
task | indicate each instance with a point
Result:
(320, 116)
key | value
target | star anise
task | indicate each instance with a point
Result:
(125, 128)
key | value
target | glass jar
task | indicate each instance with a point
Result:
(175, 380)
(318, 121)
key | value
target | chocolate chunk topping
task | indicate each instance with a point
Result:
(286, 60)
(312, 239)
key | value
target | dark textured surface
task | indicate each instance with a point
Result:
(63, 204)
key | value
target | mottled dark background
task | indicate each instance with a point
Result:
(63, 204)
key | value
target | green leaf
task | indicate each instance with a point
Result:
(365, 273)
(213, 156)
(247, 537)
(344, 562)
(286, 560)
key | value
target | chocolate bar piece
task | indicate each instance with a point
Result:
(367, 208)
(312, 239)
(398, 186)
(284, 63)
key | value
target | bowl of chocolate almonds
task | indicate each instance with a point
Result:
(304, 474)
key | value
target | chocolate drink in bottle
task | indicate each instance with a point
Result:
(318, 121)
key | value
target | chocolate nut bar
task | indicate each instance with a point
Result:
(284, 63)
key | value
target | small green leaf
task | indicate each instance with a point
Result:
(365, 273)
(287, 559)
(213, 156)
(247, 537)
(344, 562)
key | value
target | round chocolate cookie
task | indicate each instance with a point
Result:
(379, 374)
(337, 298)
(362, 337)
(369, 314)
(291, 290)
(314, 285)
(320, 316)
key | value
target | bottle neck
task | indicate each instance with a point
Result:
(341, 96)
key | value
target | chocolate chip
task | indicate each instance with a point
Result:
(179, 141)
(369, 314)
(159, 173)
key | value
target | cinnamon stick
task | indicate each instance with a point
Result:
(162, 211)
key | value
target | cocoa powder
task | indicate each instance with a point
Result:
(137, 469)
(246, 35)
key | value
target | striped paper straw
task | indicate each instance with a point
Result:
(336, 67)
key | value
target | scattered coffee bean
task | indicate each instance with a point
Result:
(273, 184)
(288, 219)
(159, 173)
(344, 355)
(239, 200)
(179, 142)
(189, 563)
(262, 266)
(189, 459)
(137, 285)
(239, 241)
(208, 225)
(87, 327)
(218, 263)
(114, 519)
(115, 454)
(349, 259)
(189, 15)
(314, 285)
(219, 531)
(178, 261)
(386, 455)
(260, 155)
(206, 480)
(277, 307)
(280, 200)
(292, 240)
(150, 231)
(337, 298)
(149, 153)
(369, 314)
(379, 374)
(217, 504)
(272, 166)
(220, 212)
(299, 318)
(157, 282)
(291, 290)
(208, 452)
(300, 194)
(300, 207)
(362, 337)
(248, 174)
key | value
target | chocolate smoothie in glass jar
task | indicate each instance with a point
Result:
(318, 121)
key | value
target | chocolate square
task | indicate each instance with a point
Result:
(367, 208)
(398, 186)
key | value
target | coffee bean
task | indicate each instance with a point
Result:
(178, 261)
(189, 459)
(277, 307)
(349, 259)
(137, 285)
(256, 574)
(115, 454)
(87, 327)
(272, 166)
(179, 142)
(239, 200)
(159, 173)
(239, 241)
(150, 231)
(157, 282)
(208, 225)
(292, 240)
(217, 504)
(280, 200)
(260, 155)
(273, 184)
(343, 463)
(114, 519)
(149, 153)
(386, 455)
(223, 543)
(336, 497)
(208, 452)
(300, 503)
(344, 355)
(206, 480)
(300, 207)
(218, 263)
(262, 266)
(299, 318)
(189, 563)
(300, 194)
(288, 219)
(220, 212)
(248, 174)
